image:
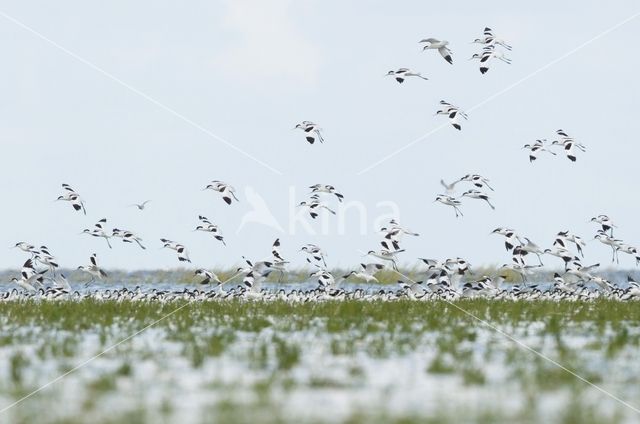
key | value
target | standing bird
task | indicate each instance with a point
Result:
(535, 149)
(402, 73)
(99, 231)
(183, 254)
(227, 191)
(311, 131)
(440, 45)
(450, 201)
(72, 197)
(93, 269)
(140, 206)
(475, 194)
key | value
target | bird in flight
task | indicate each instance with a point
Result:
(140, 206)
(402, 73)
(440, 45)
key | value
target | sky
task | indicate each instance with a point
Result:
(128, 101)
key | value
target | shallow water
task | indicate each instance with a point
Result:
(357, 361)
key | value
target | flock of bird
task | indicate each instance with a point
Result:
(447, 279)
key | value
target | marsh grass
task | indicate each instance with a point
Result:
(271, 341)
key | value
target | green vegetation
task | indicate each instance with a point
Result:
(245, 361)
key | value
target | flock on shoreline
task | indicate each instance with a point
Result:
(443, 279)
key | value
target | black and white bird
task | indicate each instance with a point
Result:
(530, 247)
(608, 240)
(403, 73)
(488, 38)
(71, 196)
(563, 238)
(99, 230)
(475, 194)
(325, 279)
(561, 253)
(314, 206)
(386, 255)
(511, 238)
(311, 131)
(141, 206)
(275, 252)
(26, 247)
(314, 252)
(396, 232)
(326, 188)
(47, 259)
(93, 269)
(183, 254)
(489, 53)
(207, 227)
(366, 272)
(477, 180)
(227, 191)
(440, 45)
(568, 144)
(29, 277)
(605, 222)
(450, 201)
(453, 113)
(536, 148)
(127, 237)
(208, 276)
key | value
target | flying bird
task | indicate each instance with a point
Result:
(403, 73)
(440, 45)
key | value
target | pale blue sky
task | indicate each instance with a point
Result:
(248, 71)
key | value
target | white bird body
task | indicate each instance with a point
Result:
(207, 227)
(475, 194)
(326, 188)
(311, 131)
(99, 231)
(314, 205)
(366, 272)
(537, 148)
(227, 191)
(183, 254)
(440, 45)
(487, 54)
(403, 73)
(93, 269)
(450, 201)
(71, 196)
(127, 237)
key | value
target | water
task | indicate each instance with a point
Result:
(357, 361)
